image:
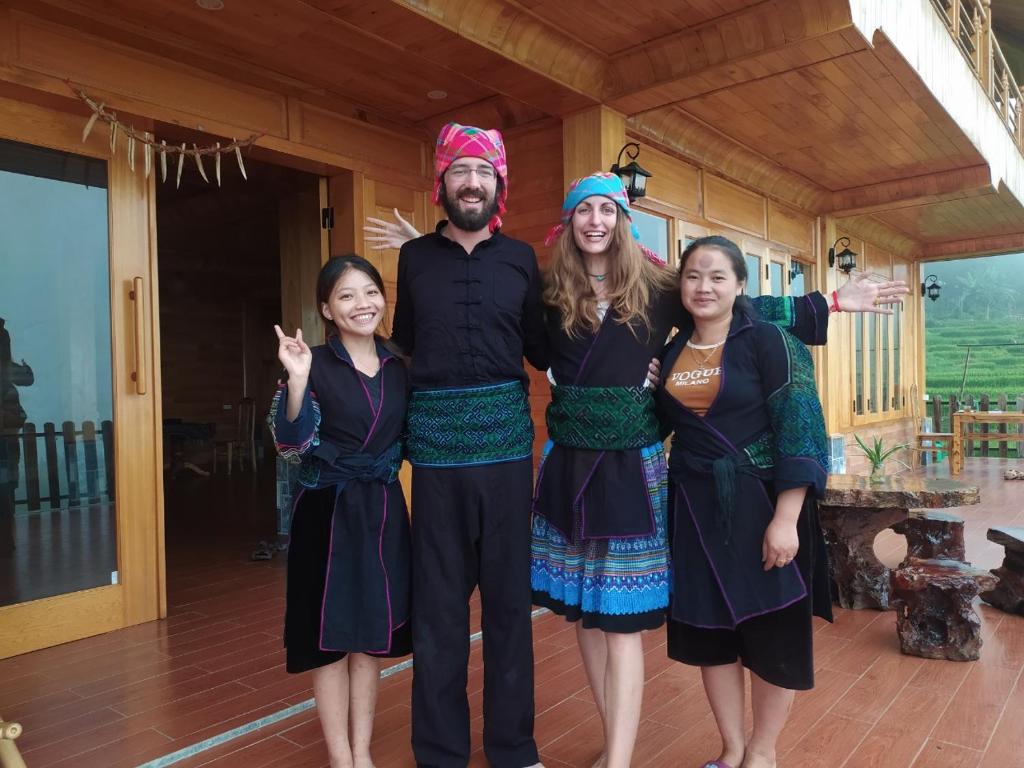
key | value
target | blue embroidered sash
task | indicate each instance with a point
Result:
(602, 418)
(471, 425)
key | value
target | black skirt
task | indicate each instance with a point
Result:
(777, 646)
(307, 572)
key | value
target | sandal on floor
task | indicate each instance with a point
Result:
(716, 764)
(262, 554)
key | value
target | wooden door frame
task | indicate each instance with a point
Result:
(140, 594)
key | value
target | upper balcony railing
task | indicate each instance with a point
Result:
(970, 23)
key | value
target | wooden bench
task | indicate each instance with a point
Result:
(1008, 593)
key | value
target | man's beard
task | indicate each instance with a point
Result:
(470, 221)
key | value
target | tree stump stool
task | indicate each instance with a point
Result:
(1008, 593)
(935, 617)
(932, 535)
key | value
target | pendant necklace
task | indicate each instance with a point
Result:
(694, 347)
(599, 278)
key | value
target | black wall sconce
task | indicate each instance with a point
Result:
(931, 287)
(845, 259)
(634, 178)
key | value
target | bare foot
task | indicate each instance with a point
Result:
(755, 760)
(362, 761)
(341, 758)
(732, 758)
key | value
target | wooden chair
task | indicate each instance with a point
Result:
(918, 439)
(244, 440)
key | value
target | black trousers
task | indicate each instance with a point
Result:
(470, 527)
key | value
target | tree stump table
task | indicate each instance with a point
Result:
(1008, 593)
(855, 510)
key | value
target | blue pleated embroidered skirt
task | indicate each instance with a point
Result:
(617, 585)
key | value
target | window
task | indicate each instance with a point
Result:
(858, 364)
(775, 277)
(799, 275)
(753, 274)
(877, 367)
(883, 321)
(654, 232)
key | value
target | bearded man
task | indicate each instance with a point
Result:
(468, 310)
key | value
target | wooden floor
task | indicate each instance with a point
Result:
(129, 697)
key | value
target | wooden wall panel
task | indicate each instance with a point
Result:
(325, 130)
(591, 141)
(535, 200)
(302, 255)
(673, 182)
(896, 432)
(322, 139)
(62, 53)
(729, 204)
(878, 260)
(790, 226)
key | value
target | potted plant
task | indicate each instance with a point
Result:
(877, 454)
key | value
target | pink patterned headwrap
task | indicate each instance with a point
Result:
(455, 141)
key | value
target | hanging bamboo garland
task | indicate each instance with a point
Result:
(150, 145)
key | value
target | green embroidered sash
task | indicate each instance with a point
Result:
(602, 418)
(467, 426)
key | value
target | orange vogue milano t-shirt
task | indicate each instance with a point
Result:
(697, 376)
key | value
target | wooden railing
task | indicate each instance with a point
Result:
(970, 24)
(43, 479)
(940, 408)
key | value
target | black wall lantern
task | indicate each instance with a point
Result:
(846, 259)
(931, 287)
(634, 178)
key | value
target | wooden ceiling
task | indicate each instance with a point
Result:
(783, 94)
(612, 26)
(971, 217)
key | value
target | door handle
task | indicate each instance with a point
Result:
(137, 297)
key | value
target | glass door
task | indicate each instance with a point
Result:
(80, 551)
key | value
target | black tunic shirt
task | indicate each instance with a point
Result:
(467, 319)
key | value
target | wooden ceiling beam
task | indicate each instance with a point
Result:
(702, 145)
(881, 234)
(912, 192)
(975, 246)
(769, 38)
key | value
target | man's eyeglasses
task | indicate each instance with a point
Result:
(460, 172)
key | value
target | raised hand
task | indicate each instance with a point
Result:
(294, 354)
(860, 294)
(389, 234)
